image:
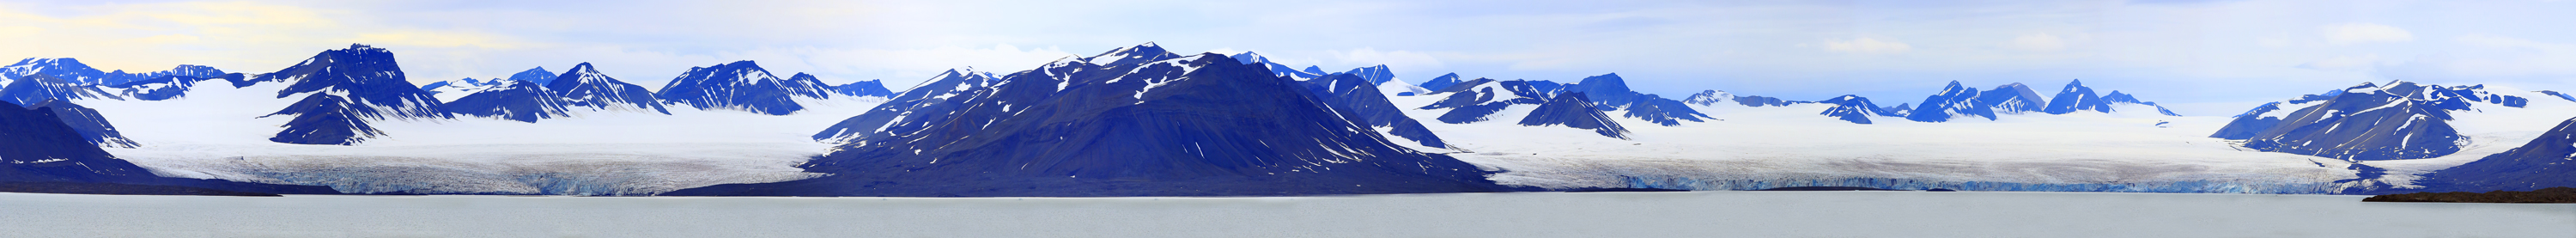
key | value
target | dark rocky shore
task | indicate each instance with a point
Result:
(2545, 195)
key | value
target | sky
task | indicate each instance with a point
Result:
(2196, 57)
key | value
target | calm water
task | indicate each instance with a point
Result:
(1676, 214)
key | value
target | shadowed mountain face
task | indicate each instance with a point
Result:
(41, 153)
(1954, 102)
(584, 87)
(1572, 109)
(342, 91)
(941, 94)
(1363, 103)
(91, 126)
(2076, 97)
(743, 86)
(869, 88)
(39, 88)
(515, 100)
(1854, 109)
(2367, 122)
(1197, 125)
(2541, 163)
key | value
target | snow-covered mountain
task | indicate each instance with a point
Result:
(451, 89)
(1202, 124)
(1375, 74)
(342, 91)
(1573, 109)
(40, 147)
(939, 94)
(2013, 98)
(72, 70)
(1281, 70)
(585, 88)
(37, 88)
(2401, 120)
(2117, 98)
(514, 100)
(1954, 102)
(165, 87)
(742, 86)
(1366, 104)
(1854, 109)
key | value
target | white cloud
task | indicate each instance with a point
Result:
(1866, 45)
(2038, 42)
(2357, 33)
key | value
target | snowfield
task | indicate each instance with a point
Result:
(217, 132)
(1767, 147)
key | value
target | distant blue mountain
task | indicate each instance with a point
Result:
(1281, 70)
(1573, 109)
(869, 88)
(741, 85)
(2013, 98)
(1761, 101)
(2116, 98)
(584, 87)
(165, 87)
(72, 70)
(2074, 98)
(343, 90)
(515, 100)
(2559, 95)
(1854, 109)
(537, 75)
(462, 86)
(1200, 125)
(2401, 120)
(1953, 102)
(1444, 81)
(1375, 74)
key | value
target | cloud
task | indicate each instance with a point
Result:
(1866, 45)
(2358, 33)
(2038, 42)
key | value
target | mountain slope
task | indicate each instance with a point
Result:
(2013, 98)
(91, 126)
(2401, 120)
(939, 94)
(1366, 104)
(164, 87)
(73, 71)
(39, 88)
(1573, 109)
(343, 90)
(1853, 108)
(515, 100)
(1191, 126)
(2541, 163)
(585, 88)
(1954, 102)
(741, 85)
(537, 75)
(869, 88)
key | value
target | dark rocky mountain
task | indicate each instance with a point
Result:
(869, 88)
(1361, 102)
(1954, 102)
(515, 100)
(1608, 90)
(2013, 98)
(743, 86)
(2075, 98)
(1310, 69)
(2401, 120)
(91, 126)
(1573, 109)
(584, 87)
(2541, 163)
(37, 88)
(1204, 125)
(1139, 54)
(1853, 108)
(1444, 81)
(165, 87)
(72, 70)
(38, 148)
(1479, 100)
(343, 90)
(943, 93)
(537, 75)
